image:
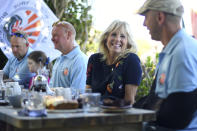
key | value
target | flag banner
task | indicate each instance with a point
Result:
(31, 16)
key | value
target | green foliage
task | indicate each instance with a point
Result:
(93, 42)
(147, 76)
(77, 13)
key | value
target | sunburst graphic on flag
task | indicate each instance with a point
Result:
(32, 26)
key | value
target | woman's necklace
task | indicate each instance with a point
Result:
(111, 60)
(110, 63)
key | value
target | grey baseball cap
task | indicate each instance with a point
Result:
(169, 6)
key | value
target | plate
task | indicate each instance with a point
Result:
(65, 111)
(115, 108)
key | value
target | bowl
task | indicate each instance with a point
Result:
(15, 101)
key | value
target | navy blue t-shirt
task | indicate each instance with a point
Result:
(110, 80)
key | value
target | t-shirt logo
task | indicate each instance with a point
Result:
(66, 71)
(162, 78)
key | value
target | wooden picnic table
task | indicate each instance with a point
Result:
(131, 120)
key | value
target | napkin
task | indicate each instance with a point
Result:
(33, 113)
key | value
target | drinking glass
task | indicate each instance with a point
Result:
(91, 102)
(35, 101)
(25, 98)
(88, 90)
(75, 93)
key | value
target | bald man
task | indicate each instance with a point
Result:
(176, 79)
(69, 69)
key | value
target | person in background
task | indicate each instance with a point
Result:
(69, 69)
(16, 69)
(37, 63)
(176, 73)
(115, 71)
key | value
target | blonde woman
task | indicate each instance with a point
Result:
(115, 71)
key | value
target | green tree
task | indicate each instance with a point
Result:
(93, 41)
(77, 13)
(148, 68)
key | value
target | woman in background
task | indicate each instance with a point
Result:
(37, 63)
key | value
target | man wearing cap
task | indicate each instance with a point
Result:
(16, 69)
(176, 72)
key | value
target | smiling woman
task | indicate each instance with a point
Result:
(115, 72)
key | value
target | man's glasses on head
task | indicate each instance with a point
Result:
(18, 35)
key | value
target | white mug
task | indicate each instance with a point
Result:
(67, 93)
(58, 91)
(13, 88)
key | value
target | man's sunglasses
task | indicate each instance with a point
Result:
(18, 35)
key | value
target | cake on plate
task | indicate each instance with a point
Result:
(58, 102)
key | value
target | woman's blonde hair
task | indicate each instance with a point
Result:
(114, 26)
